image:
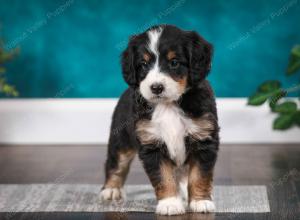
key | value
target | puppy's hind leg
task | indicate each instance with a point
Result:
(116, 170)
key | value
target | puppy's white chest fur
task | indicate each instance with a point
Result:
(170, 125)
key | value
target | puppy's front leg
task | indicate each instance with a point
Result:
(160, 171)
(200, 179)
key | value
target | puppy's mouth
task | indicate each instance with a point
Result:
(159, 98)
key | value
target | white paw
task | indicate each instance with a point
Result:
(112, 194)
(203, 206)
(170, 206)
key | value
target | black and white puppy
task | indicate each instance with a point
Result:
(168, 116)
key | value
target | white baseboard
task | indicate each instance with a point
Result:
(87, 121)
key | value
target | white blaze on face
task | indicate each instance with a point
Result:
(172, 90)
(154, 36)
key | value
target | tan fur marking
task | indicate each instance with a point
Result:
(199, 185)
(142, 129)
(146, 57)
(118, 176)
(171, 55)
(167, 187)
(204, 126)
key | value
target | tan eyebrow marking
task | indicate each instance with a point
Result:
(146, 57)
(171, 55)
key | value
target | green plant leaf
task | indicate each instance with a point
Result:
(276, 97)
(297, 118)
(296, 51)
(283, 122)
(269, 86)
(9, 90)
(294, 65)
(286, 107)
(294, 62)
(7, 56)
(258, 99)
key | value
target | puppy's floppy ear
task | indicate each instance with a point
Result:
(200, 55)
(128, 64)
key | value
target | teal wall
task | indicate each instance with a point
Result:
(74, 51)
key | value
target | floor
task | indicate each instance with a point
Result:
(276, 166)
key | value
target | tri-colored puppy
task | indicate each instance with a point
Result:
(168, 117)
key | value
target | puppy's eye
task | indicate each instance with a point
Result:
(174, 64)
(144, 65)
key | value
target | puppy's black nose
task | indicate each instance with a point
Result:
(157, 88)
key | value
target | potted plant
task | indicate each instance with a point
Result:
(287, 110)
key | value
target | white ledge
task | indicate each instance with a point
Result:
(87, 121)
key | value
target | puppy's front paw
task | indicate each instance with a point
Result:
(203, 206)
(170, 206)
(112, 194)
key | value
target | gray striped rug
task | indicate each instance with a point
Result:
(140, 198)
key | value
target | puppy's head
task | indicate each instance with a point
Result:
(163, 62)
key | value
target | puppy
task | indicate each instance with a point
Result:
(168, 117)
